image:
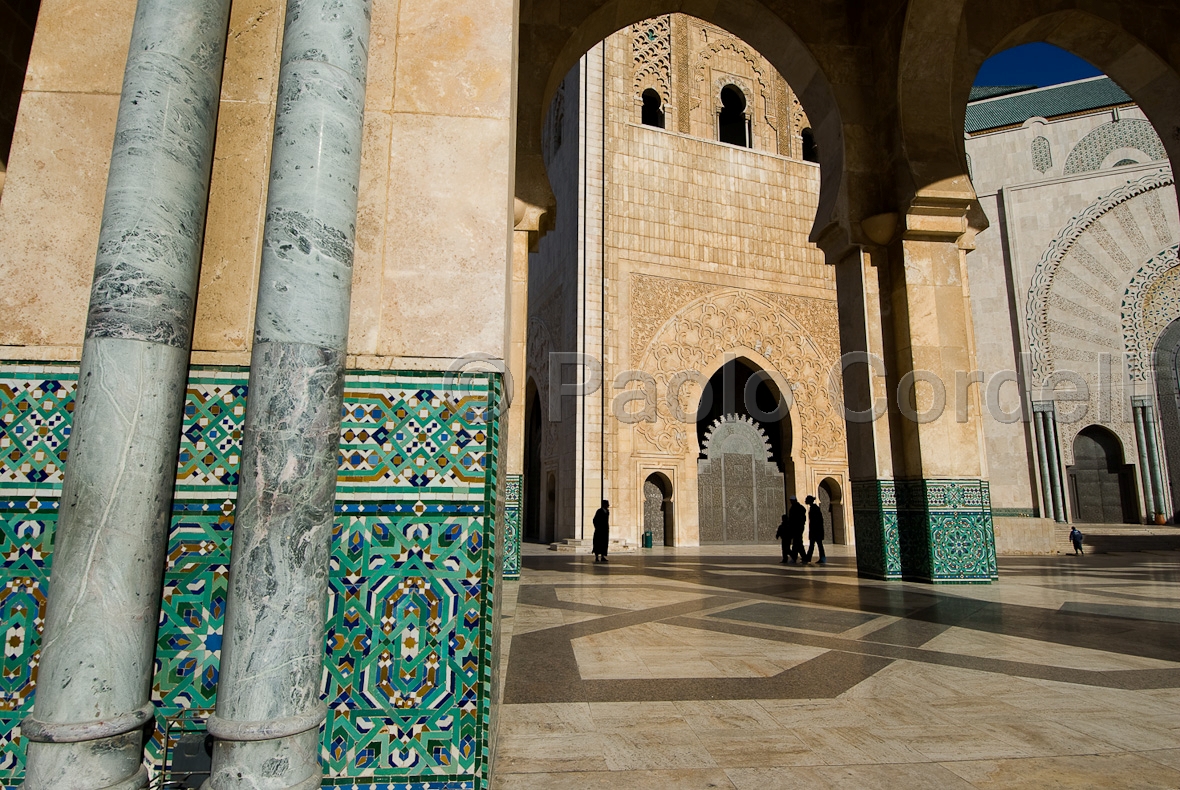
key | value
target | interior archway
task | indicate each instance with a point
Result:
(549, 50)
(945, 43)
(831, 499)
(658, 510)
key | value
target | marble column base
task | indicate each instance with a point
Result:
(874, 513)
(945, 531)
(104, 594)
(289, 763)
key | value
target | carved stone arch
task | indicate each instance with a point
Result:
(738, 48)
(726, 321)
(1065, 249)
(944, 42)
(651, 57)
(1092, 150)
(1150, 304)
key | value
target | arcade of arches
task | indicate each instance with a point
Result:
(312, 310)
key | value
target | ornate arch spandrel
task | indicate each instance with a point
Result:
(709, 327)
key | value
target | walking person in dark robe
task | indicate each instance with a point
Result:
(601, 531)
(790, 531)
(815, 530)
(783, 533)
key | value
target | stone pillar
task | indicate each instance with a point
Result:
(870, 463)
(268, 707)
(528, 221)
(1149, 457)
(1053, 488)
(94, 681)
(1156, 459)
(944, 506)
(1144, 460)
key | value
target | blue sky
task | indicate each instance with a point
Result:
(1034, 64)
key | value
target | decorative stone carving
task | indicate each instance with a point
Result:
(1151, 302)
(1089, 154)
(651, 56)
(725, 320)
(1066, 247)
(554, 131)
(1042, 155)
(740, 488)
(654, 300)
(703, 87)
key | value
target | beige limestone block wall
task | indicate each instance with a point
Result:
(433, 283)
(223, 331)
(1015, 536)
(688, 217)
(53, 195)
(434, 220)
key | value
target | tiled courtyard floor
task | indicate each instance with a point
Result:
(719, 668)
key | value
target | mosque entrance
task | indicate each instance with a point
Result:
(1102, 486)
(744, 469)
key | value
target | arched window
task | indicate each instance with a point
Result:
(810, 149)
(653, 109)
(732, 126)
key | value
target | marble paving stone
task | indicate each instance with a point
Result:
(656, 749)
(742, 749)
(626, 598)
(716, 716)
(661, 650)
(1126, 731)
(810, 618)
(689, 779)
(1043, 738)
(1093, 772)
(922, 719)
(1168, 757)
(552, 753)
(1014, 648)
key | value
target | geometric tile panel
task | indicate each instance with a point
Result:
(408, 668)
(211, 440)
(511, 533)
(874, 511)
(36, 404)
(946, 534)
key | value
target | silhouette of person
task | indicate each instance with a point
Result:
(815, 530)
(601, 531)
(790, 531)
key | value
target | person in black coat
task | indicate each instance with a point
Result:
(790, 531)
(815, 530)
(601, 531)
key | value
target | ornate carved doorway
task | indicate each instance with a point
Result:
(1102, 486)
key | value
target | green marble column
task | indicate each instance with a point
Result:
(94, 679)
(268, 706)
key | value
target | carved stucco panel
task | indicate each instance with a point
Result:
(700, 333)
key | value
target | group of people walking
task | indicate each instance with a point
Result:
(790, 532)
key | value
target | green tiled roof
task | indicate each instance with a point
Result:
(990, 91)
(1012, 109)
